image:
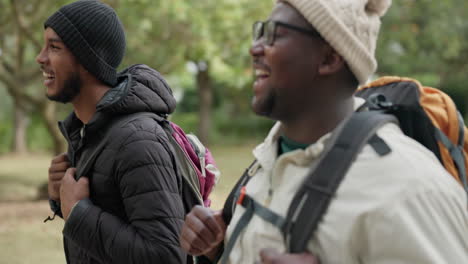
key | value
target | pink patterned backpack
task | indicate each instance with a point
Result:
(196, 162)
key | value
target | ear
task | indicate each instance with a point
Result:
(332, 62)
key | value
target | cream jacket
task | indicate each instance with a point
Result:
(399, 208)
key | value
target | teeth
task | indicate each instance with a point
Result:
(259, 72)
(47, 75)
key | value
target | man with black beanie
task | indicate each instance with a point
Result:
(127, 208)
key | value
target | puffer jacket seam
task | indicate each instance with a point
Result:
(161, 80)
(142, 193)
(155, 131)
(140, 98)
(145, 165)
(157, 218)
(134, 130)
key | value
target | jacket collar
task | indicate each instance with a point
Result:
(266, 152)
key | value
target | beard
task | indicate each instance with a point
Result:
(265, 106)
(71, 88)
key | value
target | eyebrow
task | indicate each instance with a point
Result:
(56, 40)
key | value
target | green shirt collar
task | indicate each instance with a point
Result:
(287, 145)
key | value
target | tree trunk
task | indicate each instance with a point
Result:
(50, 118)
(205, 95)
(20, 125)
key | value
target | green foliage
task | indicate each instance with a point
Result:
(38, 138)
(168, 34)
(6, 136)
(423, 39)
(187, 121)
(240, 128)
(456, 88)
(6, 131)
(227, 128)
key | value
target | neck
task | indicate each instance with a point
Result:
(311, 126)
(86, 101)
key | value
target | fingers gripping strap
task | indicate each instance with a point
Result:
(241, 224)
(252, 208)
(314, 196)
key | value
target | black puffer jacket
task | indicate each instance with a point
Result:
(135, 212)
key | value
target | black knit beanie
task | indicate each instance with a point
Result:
(94, 34)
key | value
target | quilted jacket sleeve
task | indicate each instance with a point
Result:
(149, 188)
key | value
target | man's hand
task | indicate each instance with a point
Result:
(57, 169)
(203, 232)
(272, 256)
(72, 191)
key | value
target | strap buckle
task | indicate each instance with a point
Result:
(241, 195)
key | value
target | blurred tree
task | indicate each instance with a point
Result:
(427, 40)
(219, 47)
(20, 40)
(212, 37)
(203, 45)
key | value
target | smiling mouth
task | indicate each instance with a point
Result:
(49, 78)
(48, 75)
(261, 74)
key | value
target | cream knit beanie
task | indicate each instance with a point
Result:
(351, 27)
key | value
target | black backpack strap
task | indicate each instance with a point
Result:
(456, 151)
(461, 142)
(312, 200)
(87, 162)
(241, 224)
(230, 203)
(252, 208)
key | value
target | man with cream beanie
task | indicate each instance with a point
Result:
(403, 207)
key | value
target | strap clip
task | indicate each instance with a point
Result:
(241, 195)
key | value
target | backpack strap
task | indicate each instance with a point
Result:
(252, 208)
(200, 150)
(311, 201)
(461, 142)
(456, 151)
(230, 203)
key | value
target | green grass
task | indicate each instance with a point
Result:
(25, 239)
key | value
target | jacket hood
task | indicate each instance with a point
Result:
(140, 89)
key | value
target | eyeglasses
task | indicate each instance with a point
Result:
(267, 29)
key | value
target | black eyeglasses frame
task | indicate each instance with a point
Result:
(258, 30)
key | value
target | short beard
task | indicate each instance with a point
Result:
(71, 88)
(266, 106)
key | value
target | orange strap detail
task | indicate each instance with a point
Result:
(241, 195)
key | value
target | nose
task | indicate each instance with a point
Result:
(258, 48)
(41, 58)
